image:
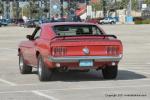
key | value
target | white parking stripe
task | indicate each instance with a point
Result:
(36, 84)
(148, 63)
(7, 82)
(140, 65)
(11, 49)
(39, 92)
(10, 92)
(147, 44)
(91, 88)
(142, 72)
(44, 95)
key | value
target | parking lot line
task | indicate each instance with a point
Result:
(104, 87)
(147, 44)
(38, 84)
(132, 65)
(44, 95)
(10, 92)
(148, 63)
(9, 49)
(39, 92)
(7, 82)
(135, 68)
(142, 72)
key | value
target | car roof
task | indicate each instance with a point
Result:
(67, 23)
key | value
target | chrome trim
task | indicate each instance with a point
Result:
(78, 58)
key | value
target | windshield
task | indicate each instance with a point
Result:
(75, 30)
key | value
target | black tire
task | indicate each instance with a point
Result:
(102, 23)
(112, 22)
(44, 73)
(24, 68)
(110, 72)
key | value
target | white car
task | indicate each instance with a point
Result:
(108, 20)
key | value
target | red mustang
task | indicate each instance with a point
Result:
(70, 46)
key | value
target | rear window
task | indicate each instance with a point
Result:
(75, 30)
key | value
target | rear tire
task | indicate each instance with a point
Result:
(24, 68)
(110, 72)
(44, 73)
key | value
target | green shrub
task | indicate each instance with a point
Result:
(138, 22)
(146, 21)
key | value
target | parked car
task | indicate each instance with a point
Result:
(29, 23)
(65, 46)
(45, 21)
(3, 22)
(37, 22)
(20, 22)
(108, 20)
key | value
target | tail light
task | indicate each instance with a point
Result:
(59, 51)
(112, 50)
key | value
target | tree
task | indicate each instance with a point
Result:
(34, 9)
(16, 10)
(1, 7)
(123, 4)
(98, 5)
(135, 5)
(26, 10)
(147, 2)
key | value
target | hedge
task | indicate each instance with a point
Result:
(145, 21)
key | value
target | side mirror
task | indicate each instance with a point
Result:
(29, 37)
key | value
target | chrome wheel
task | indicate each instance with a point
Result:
(40, 68)
(44, 72)
(20, 62)
(24, 69)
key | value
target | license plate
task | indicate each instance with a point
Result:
(86, 63)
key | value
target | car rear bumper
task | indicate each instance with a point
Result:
(78, 58)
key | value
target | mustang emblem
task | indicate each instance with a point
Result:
(86, 51)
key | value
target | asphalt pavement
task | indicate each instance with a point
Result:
(132, 83)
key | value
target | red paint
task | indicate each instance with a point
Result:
(98, 46)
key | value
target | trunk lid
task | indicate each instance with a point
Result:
(86, 46)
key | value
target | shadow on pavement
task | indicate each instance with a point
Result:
(129, 75)
(94, 76)
(77, 76)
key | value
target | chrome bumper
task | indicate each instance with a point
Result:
(78, 58)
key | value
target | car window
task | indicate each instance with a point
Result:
(95, 31)
(74, 30)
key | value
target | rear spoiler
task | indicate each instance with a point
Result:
(103, 35)
(114, 36)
